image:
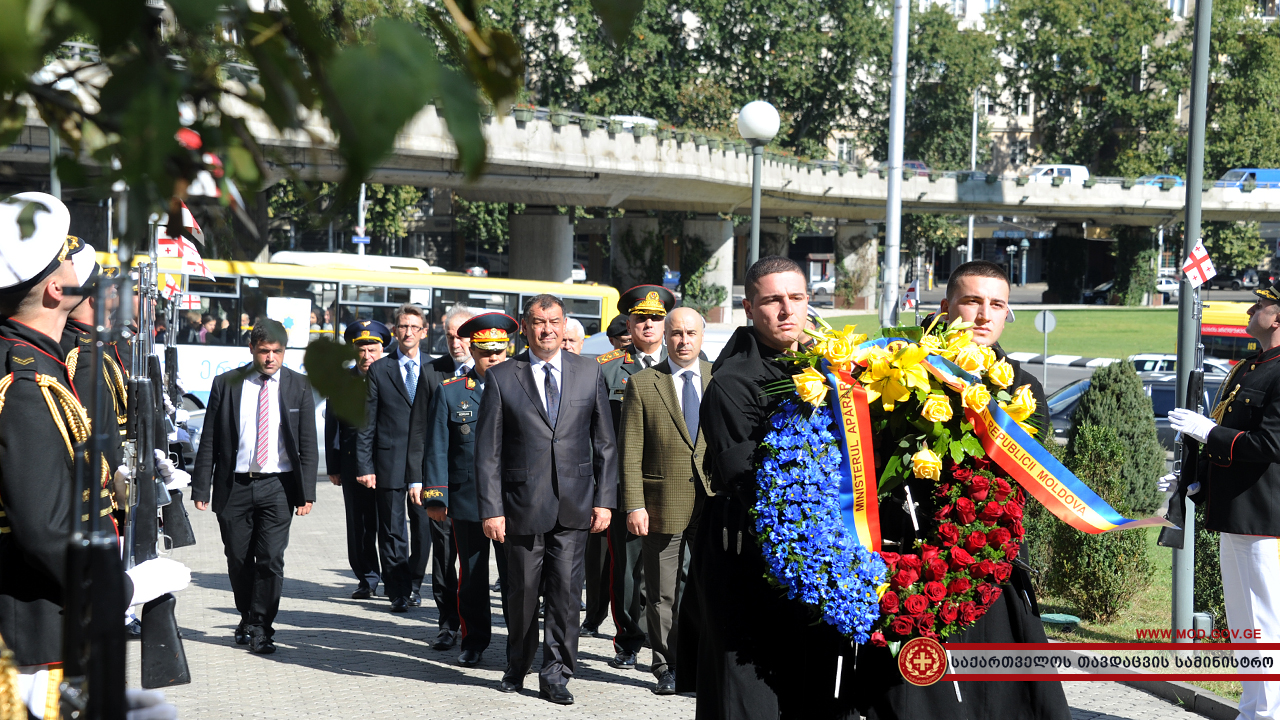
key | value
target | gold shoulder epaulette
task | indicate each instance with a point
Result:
(453, 380)
(614, 355)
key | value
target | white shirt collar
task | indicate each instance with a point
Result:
(536, 362)
(406, 360)
(695, 368)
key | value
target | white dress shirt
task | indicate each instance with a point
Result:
(277, 458)
(537, 364)
(405, 362)
(654, 357)
(460, 369)
(678, 374)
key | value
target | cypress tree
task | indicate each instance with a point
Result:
(1115, 399)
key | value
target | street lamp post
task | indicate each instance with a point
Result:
(1012, 252)
(758, 122)
(1025, 246)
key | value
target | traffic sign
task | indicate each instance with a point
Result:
(360, 239)
(1045, 321)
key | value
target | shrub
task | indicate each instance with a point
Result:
(1099, 575)
(1115, 399)
(1040, 525)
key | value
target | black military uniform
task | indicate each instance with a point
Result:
(1240, 465)
(360, 502)
(626, 571)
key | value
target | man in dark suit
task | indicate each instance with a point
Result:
(258, 462)
(546, 473)
(369, 337)
(451, 466)
(384, 461)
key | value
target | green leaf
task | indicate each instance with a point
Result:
(195, 14)
(326, 363)
(1003, 396)
(618, 16)
(973, 446)
(891, 475)
(957, 451)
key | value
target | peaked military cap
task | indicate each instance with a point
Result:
(489, 331)
(27, 260)
(85, 261)
(647, 300)
(1270, 292)
(364, 332)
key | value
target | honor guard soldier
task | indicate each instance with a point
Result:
(646, 308)
(361, 503)
(450, 464)
(1240, 486)
(41, 420)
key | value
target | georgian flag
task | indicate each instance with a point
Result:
(184, 249)
(911, 297)
(1198, 268)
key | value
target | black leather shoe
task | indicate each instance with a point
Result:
(511, 682)
(588, 631)
(362, 593)
(445, 640)
(261, 645)
(415, 600)
(242, 636)
(558, 694)
(133, 630)
(623, 660)
(470, 658)
(399, 605)
(666, 684)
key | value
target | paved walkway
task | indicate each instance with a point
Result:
(348, 659)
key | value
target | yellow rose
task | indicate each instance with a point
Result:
(870, 354)
(839, 351)
(811, 386)
(969, 357)
(932, 343)
(1022, 404)
(1001, 374)
(988, 357)
(936, 408)
(976, 397)
(956, 342)
(926, 465)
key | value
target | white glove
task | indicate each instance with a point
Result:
(182, 387)
(168, 404)
(1170, 482)
(122, 475)
(1191, 423)
(181, 415)
(164, 466)
(178, 480)
(149, 705)
(154, 578)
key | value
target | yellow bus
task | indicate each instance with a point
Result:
(318, 294)
(1222, 330)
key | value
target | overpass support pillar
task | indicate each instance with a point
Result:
(541, 245)
(717, 236)
(855, 245)
(632, 240)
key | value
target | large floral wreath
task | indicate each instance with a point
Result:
(963, 553)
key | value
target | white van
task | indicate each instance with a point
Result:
(1046, 173)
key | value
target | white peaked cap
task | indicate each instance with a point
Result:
(25, 261)
(85, 260)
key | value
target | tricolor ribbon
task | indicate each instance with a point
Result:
(858, 504)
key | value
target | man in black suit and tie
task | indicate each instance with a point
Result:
(361, 505)
(258, 462)
(546, 475)
(395, 384)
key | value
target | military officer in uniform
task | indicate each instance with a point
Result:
(1240, 485)
(361, 503)
(450, 461)
(646, 308)
(41, 419)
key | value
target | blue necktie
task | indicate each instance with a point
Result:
(553, 396)
(689, 404)
(411, 379)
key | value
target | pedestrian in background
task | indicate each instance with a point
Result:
(574, 336)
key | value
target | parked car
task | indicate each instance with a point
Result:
(1169, 287)
(1160, 387)
(1239, 177)
(1161, 362)
(921, 169)
(578, 273)
(1234, 280)
(1100, 295)
(822, 291)
(1046, 173)
(1159, 180)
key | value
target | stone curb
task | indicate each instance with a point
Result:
(1188, 697)
(1066, 360)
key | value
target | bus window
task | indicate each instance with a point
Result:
(308, 301)
(479, 302)
(216, 321)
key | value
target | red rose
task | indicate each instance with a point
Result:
(902, 626)
(910, 562)
(948, 613)
(991, 513)
(904, 578)
(983, 569)
(968, 612)
(998, 536)
(985, 592)
(877, 639)
(937, 569)
(935, 591)
(981, 463)
(978, 488)
(995, 593)
(943, 490)
(915, 604)
(890, 559)
(924, 623)
(1010, 550)
(960, 559)
(948, 533)
(889, 603)
(1016, 528)
(964, 511)
(959, 586)
(1011, 509)
(942, 513)
(1002, 572)
(962, 474)
(928, 553)
(1001, 490)
(976, 541)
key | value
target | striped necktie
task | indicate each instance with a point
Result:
(264, 418)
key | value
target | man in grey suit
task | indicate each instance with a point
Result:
(546, 474)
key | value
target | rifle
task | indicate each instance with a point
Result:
(1187, 469)
(93, 639)
(164, 661)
